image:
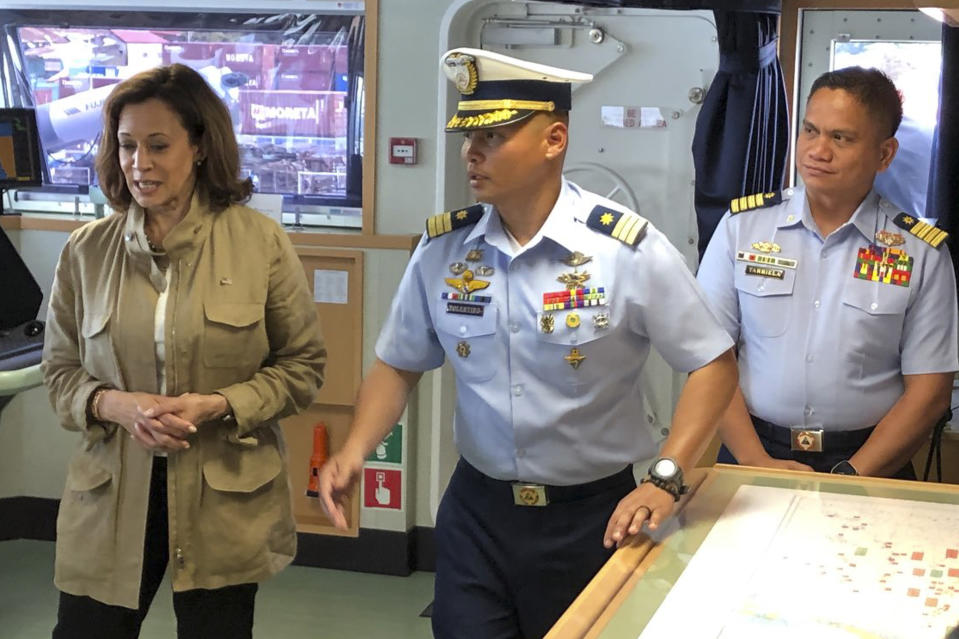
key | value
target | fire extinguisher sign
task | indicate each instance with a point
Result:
(382, 488)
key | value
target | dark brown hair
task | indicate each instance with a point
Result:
(202, 114)
(872, 88)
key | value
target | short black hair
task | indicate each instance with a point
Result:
(871, 87)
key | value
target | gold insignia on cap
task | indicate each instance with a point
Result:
(463, 72)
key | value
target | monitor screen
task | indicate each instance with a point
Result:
(19, 149)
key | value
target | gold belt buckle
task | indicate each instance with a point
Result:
(806, 440)
(529, 495)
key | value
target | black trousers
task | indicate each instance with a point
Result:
(820, 462)
(505, 571)
(201, 614)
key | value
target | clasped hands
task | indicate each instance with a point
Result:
(161, 423)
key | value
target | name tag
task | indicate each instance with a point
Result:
(765, 271)
(459, 308)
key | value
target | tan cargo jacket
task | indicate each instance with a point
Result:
(240, 321)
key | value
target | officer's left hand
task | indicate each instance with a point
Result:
(645, 504)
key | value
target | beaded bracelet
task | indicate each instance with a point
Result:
(95, 403)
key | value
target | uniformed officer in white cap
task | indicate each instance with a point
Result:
(843, 306)
(546, 299)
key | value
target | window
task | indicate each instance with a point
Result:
(293, 83)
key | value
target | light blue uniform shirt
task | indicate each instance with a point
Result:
(523, 411)
(821, 347)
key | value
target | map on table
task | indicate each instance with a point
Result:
(789, 564)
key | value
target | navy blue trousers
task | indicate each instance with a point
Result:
(821, 462)
(507, 572)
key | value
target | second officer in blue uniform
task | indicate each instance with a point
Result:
(546, 299)
(843, 306)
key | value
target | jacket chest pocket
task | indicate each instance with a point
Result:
(765, 302)
(470, 342)
(97, 347)
(233, 334)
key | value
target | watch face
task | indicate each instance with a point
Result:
(665, 468)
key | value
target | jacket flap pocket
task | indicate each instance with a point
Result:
(243, 469)
(462, 324)
(94, 322)
(85, 474)
(237, 314)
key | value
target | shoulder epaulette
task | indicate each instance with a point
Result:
(626, 227)
(756, 201)
(926, 232)
(443, 223)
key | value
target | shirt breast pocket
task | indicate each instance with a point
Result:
(873, 315)
(765, 303)
(469, 342)
(574, 350)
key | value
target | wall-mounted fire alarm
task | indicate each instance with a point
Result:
(402, 150)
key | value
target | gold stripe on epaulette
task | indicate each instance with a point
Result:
(628, 230)
(447, 223)
(939, 238)
(620, 223)
(751, 201)
(438, 224)
(634, 232)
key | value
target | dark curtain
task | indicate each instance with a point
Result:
(742, 132)
(942, 200)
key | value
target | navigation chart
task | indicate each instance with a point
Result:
(785, 564)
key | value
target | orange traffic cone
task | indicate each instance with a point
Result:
(317, 460)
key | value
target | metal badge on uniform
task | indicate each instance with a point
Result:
(572, 320)
(573, 280)
(466, 283)
(457, 268)
(484, 270)
(768, 260)
(529, 495)
(576, 259)
(890, 238)
(765, 271)
(807, 440)
(475, 255)
(547, 322)
(575, 358)
(767, 247)
(601, 320)
(884, 265)
(463, 349)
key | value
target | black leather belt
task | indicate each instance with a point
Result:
(530, 494)
(832, 440)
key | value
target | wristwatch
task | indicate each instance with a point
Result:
(665, 473)
(844, 468)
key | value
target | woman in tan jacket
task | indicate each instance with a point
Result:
(180, 330)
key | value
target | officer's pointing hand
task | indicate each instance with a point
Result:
(645, 504)
(337, 477)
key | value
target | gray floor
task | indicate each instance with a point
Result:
(300, 603)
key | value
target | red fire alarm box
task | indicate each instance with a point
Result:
(402, 150)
